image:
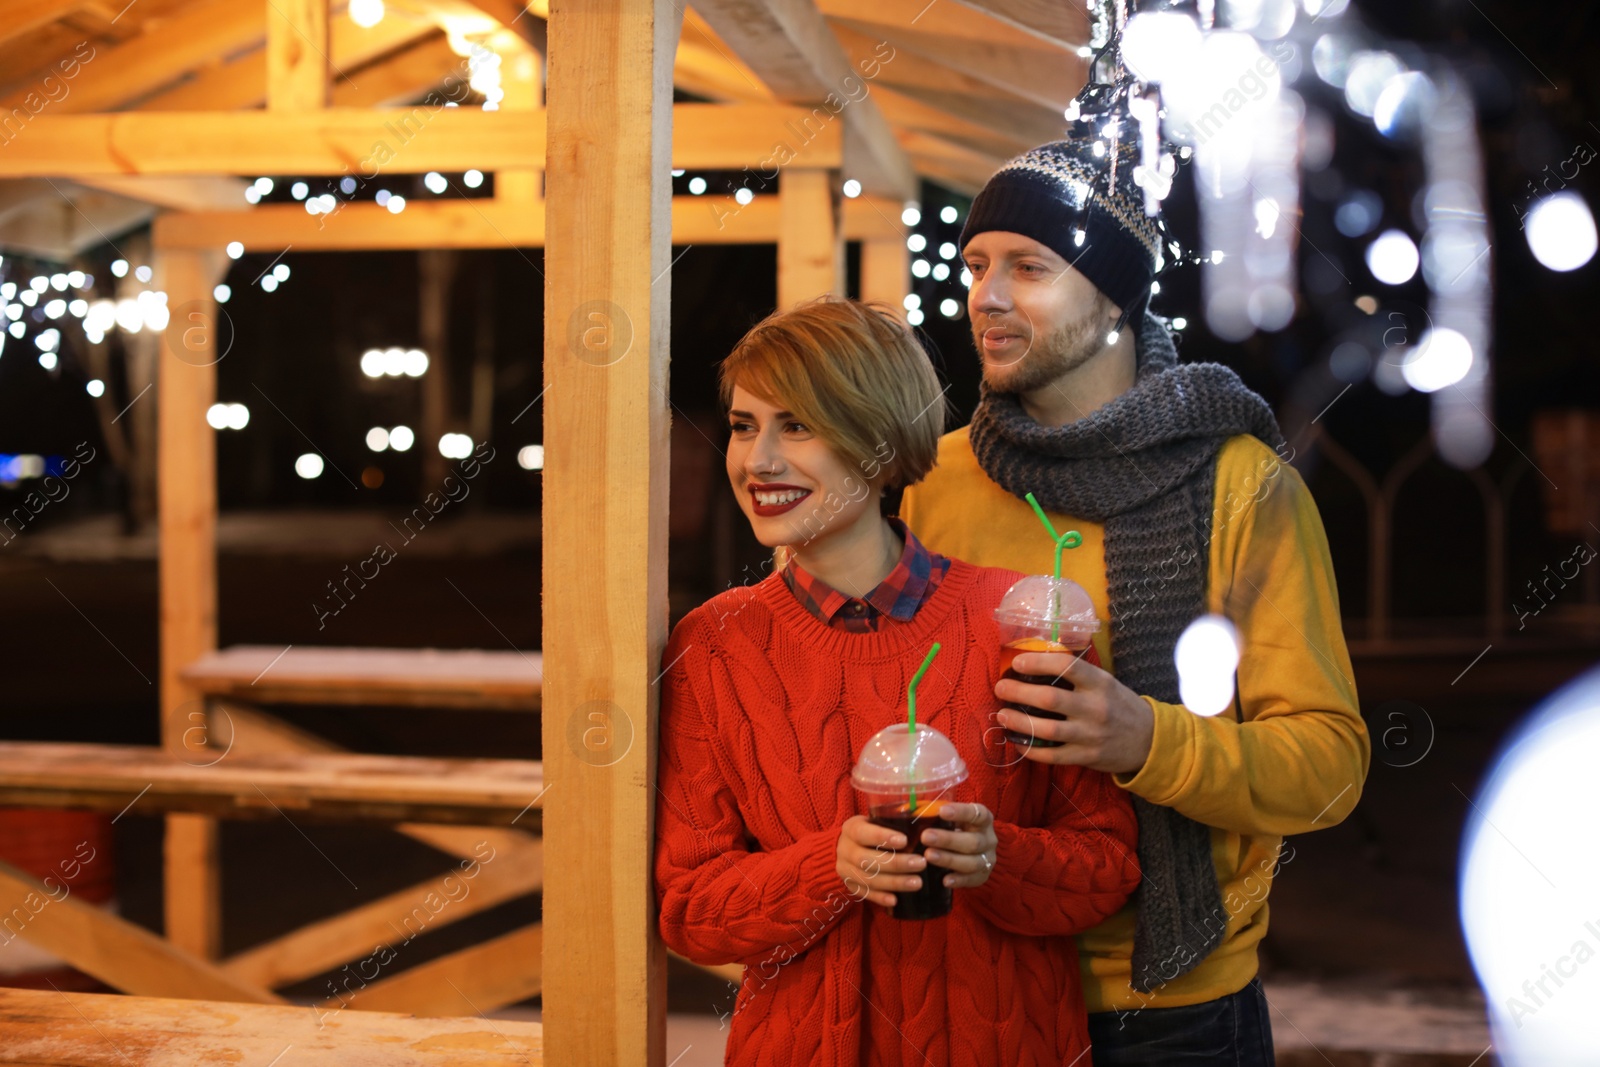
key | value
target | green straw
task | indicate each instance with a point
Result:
(911, 707)
(1070, 539)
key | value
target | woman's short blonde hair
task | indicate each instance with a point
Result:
(855, 374)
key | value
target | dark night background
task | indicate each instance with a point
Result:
(1372, 897)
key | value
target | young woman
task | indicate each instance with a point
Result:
(764, 855)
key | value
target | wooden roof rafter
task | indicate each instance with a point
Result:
(790, 47)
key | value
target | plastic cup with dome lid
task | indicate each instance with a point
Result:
(906, 773)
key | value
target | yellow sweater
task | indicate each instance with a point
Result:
(1298, 760)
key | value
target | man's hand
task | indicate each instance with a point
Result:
(1108, 726)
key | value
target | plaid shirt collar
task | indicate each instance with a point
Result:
(898, 596)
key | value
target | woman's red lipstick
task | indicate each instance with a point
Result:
(770, 490)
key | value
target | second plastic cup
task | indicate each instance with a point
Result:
(906, 777)
(1043, 614)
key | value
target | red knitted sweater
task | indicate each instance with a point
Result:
(762, 715)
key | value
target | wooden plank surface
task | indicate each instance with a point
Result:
(488, 792)
(242, 82)
(987, 48)
(1066, 25)
(431, 904)
(608, 284)
(335, 141)
(417, 677)
(366, 142)
(106, 946)
(92, 1030)
(298, 49)
(248, 731)
(484, 223)
(106, 78)
(501, 865)
(886, 272)
(486, 976)
(810, 253)
(186, 482)
(791, 49)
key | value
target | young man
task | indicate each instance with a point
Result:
(1177, 478)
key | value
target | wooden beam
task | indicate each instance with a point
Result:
(789, 45)
(109, 78)
(735, 136)
(186, 386)
(365, 226)
(406, 76)
(886, 272)
(484, 223)
(868, 218)
(65, 220)
(472, 981)
(522, 80)
(516, 861)
(1065, 25)
(707, 67)
(958, 94)
(366, 143)
(908, 112)
(608, 283)
(952, 20)
(973, 168)
(298, 45)
(512, 19)
(40, 1027)
(393, 919)
(956, 179)
(334, 141)
(20, 17)
(183, 192)
(810, 252)
(242, 83)
(984, 48)
(334, 786)
(253, 732)
(465, 678)
(98, 943)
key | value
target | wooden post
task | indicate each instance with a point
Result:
(810, 252)
(186, 475)
(436, 273)
(607, 300)
(521, 77)
(886, 271)
(298, 46)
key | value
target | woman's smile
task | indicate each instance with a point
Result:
(774, 498)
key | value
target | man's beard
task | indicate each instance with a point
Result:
(1065, 349)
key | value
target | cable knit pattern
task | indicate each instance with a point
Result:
(763, 712)
(1145, 465)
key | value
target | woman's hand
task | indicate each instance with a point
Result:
(872, 869)
(969, 852)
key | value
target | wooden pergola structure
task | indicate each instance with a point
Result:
(175, 103)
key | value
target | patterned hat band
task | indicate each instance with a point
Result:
(1047, 196)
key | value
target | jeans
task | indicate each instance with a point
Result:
(1231, 1031)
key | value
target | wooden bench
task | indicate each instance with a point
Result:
(96, 1030)
(426, 677)
(347, 786)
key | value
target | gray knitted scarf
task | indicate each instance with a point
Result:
(1145, 466)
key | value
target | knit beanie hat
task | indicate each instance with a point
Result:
(1078, 197)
